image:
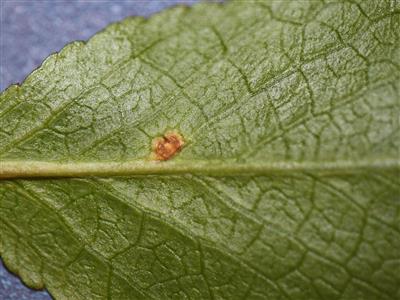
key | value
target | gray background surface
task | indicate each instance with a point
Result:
(32, 30)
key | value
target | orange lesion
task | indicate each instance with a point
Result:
(167, 146)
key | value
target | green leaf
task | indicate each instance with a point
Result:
(286, 186)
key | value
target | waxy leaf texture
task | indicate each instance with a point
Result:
(248, 150)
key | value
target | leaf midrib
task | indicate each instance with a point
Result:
(27, 169)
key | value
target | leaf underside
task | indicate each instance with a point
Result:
(267, 95)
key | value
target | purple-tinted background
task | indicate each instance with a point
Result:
(32, 30)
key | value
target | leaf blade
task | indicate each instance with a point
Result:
(288, 184)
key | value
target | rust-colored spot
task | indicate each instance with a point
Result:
(167, 146)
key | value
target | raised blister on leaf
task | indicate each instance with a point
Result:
(167, 146)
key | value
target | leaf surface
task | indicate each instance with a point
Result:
(285, 186)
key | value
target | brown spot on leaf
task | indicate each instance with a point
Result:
(167, 146)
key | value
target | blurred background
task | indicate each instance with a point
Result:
(32, 30)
